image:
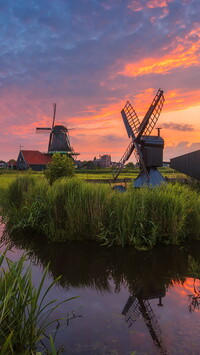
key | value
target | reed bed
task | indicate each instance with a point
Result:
(24, 315)
(73, 209)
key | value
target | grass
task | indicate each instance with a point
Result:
(73, 209)
(24, 315)
(8, 176)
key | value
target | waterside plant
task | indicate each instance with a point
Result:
(72, 209)
(24, 315)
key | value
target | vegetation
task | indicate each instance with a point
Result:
(73, 209)
(8, 176)
(60, 166)
(24, 317)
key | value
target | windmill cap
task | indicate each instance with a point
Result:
(59, 128)
(152, 140)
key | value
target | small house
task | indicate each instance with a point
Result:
(3, 164)
(32, 159)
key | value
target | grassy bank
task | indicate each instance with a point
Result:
(73, 209)
(24, 315)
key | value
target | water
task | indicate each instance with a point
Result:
(129, 301)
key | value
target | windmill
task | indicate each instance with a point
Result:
(148, 149)
(136, 306)
(59, 138)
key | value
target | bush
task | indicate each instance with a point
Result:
(60, 166)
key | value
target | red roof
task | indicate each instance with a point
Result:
(35, 157)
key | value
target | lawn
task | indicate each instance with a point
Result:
(6, 177)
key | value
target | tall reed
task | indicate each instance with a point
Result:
(73, 209)
(24, 316)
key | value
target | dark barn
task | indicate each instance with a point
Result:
(32, 159)
(188, 164)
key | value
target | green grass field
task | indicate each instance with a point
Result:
(6, 177)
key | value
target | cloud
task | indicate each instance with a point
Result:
(180, 148)
(184, 55)
(178, 126)
(90, 57)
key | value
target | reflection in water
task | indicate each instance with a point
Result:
(135, 306)
(146, 275)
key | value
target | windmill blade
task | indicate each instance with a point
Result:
(43, 130)
(139, 157)
(131, 120)
(150, 119)
(123, 159)
(54, 116)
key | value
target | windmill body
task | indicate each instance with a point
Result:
(148, 149)
(59, 138)
(152, 154)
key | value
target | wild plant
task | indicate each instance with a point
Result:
(24, 315)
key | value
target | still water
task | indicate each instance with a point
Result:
(129, 301)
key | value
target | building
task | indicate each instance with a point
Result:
(12, 164)
(32, 159)
(188, 164)
(3, 164)
(104, 161)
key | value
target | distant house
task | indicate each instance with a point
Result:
(104, 161)
(3, 164)
(32, 159)
(12, 164)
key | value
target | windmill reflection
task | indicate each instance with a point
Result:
(86, 265)
(135, 306)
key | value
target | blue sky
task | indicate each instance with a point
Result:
(89, 57)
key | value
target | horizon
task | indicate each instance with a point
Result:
(90, 57)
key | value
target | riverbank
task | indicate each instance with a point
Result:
(72, 209)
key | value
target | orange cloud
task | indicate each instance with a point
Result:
(183, 56)
(179, 100)
(136, 5)
(187, 288)
(158, 3)
(163, 65)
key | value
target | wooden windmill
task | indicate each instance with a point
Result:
(59, 138)
(148, 149)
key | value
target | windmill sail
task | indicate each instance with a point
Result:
(139, 132)
(43, 130)
(131, 120)
(123, 159)
(53, 122)
(150, 119)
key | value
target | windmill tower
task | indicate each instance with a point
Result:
(148, 149)
(59, 138)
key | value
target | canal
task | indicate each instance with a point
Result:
(129, 301)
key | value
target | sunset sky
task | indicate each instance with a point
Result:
(89, 57)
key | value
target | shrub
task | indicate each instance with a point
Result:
(60, 166)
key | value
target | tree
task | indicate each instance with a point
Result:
(130, 165)
(89, 165)
(60, 166)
